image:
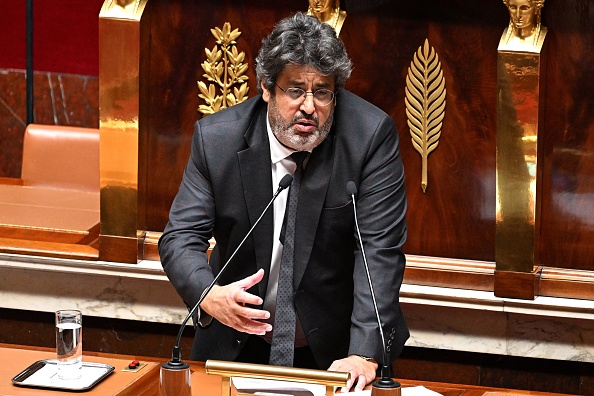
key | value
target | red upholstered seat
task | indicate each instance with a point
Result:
(63, 157)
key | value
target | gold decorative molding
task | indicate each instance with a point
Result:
(224, 68)
(226, 370)
(121, 161)
(520, 77)
(425, 103)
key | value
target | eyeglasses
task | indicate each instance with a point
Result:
(321, 97)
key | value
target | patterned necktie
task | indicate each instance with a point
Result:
(283, 336)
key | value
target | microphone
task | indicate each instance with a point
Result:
(385, 386)
(176, 364)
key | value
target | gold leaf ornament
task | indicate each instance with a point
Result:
(425, 103)
(223, 69)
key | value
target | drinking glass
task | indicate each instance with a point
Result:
(69, 343)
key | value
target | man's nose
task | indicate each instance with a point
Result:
(308, 105)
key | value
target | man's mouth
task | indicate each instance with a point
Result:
(305, 126)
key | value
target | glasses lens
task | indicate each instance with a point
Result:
(323, 96)
(295, 93)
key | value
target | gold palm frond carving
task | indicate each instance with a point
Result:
(425, 103)
(224, 68)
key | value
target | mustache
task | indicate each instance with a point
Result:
(305, 116)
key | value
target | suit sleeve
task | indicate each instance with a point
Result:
(185, 240)
(381, 207)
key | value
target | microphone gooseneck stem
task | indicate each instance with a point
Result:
(385, 386)
(176, 353)
(379, 322)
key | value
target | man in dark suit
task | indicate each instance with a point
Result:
(238, 157)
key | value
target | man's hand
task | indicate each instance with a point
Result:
(362, 371)
(227, 305)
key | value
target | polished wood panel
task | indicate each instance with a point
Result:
(494, 371)
(39, 214)
(455, 217)
(173, 90)
(513, 284)
(567, 227)
(11, 181)
(431, 271)
(562, 282)
(13, 359)
(146, 382)
(50, 249)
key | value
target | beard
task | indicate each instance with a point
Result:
(285, 133)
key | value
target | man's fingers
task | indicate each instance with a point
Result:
(243, 297)
(253, 313)
(360, 383)
(251, 280)
(362, 372)
(255, 327)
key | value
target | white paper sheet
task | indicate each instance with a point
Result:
(258, 387)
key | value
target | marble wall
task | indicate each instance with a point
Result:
(59, 99)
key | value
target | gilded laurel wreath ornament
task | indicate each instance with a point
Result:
(223, 68)
(425, 103)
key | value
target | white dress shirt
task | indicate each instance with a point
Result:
(281, 164)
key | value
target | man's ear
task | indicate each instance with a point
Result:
(265, 92)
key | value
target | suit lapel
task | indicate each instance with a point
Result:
(254, 165)
(314, 186)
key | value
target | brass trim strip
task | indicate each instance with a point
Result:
(235, 369)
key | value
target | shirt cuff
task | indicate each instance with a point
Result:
(204, 319)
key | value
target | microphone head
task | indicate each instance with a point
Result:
(351, 188)
(285, 181)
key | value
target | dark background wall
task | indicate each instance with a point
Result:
(65, 41)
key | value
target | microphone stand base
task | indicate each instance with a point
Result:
(385, 387)
(175, 379)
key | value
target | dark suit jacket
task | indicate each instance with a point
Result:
(227, 184)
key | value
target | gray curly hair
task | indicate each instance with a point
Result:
(305, 41)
